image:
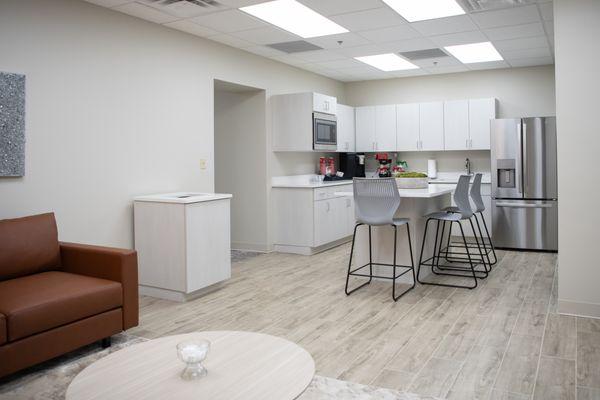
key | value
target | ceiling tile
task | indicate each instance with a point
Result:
(529, 62)
(447, 69)
(507, 17)
(441, 26)
(266, 35)
(524, 43)
(547, 11)
(365, 50)
(229, 21)
(407, 73)
(145, 12)
(454, 39)
(526, 53)
(391, 34)
(190, 27)
(409, 45)
(488, 65)
(264, 51)
(332, 7)
(341, 64)
(516, 31)
(231, 41)
(181, 9)
(109, 3)
(240, 3)
(369, 19)
(331, 41)
(289, 59)
(319, 56)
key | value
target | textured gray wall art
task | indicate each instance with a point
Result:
(12, 124)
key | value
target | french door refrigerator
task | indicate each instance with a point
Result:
(524, 183)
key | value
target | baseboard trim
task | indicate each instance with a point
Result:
(307, 250)
(258, 247)
(174, 295)
(568, 307)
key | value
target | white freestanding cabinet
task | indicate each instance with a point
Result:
(456, 125)
(346, 129)
(183, 243)
(431, 121)
(292, 119)
(407, 127)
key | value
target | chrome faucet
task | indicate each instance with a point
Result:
(468, 166)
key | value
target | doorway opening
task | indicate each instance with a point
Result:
(241, 161)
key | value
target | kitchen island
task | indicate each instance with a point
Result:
(416, 203)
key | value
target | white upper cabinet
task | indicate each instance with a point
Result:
(456, 125)
(407, 127)
(365, 129)
(324, 104)
(431, 120)
(385, 128)
(345, 129)
(480, 113)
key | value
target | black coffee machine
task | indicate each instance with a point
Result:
(352, 165)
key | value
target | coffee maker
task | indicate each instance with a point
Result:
(352, 165)
(385, 165)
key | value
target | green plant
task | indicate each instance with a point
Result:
(410, 175)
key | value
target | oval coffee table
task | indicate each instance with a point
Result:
(241, 365)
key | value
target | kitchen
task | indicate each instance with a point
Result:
(371, 140)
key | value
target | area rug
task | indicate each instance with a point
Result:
(49, 381)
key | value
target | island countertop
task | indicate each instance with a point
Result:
(434, 190)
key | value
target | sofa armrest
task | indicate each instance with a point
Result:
(118, 265)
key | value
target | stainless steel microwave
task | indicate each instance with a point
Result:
(324, 132)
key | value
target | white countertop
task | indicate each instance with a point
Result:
(304, 181)
(430, 192)
(183, 197)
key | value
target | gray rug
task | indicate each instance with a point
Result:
(49, 381)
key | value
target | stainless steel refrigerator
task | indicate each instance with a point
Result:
(524, 183)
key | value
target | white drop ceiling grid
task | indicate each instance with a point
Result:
(522, 34)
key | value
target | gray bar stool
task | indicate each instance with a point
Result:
(464, 213)
(375, 203)
(488, 246)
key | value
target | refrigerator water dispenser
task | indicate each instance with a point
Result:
(505, 168)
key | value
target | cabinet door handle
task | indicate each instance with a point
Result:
(328, 206)
(470, 143)
(467, 143)
(417, 145)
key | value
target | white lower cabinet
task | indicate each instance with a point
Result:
(310, 220)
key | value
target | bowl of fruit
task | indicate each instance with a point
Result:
(411, 180)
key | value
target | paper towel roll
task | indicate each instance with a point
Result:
(432, 169)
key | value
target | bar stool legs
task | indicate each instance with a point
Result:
(433, 261)
(394, 265)
(488, 246)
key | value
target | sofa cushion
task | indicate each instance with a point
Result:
(3, 333)
(36, 303)
(28, 245)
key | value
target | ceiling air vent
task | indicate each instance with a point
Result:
(185, 8)
(423, 54)
(486, 5)
(297, 46)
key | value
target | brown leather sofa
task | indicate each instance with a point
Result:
(56, 297)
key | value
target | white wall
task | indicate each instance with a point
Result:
(117, 107)
(577, 30)
(241, 164)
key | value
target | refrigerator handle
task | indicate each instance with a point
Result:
(524, 144)
(519, 166)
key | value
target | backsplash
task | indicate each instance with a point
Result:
(447, 161)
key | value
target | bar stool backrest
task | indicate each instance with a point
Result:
(461, 197)
(476, 193)
(375, 200)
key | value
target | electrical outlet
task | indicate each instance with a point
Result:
(202, 164)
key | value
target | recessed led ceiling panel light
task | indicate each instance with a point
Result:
(419, 10)
(475, 52)
(294, 17)
(387, 62)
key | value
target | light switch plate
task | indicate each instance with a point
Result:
(202, 164)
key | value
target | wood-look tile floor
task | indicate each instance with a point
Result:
(503, 340)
